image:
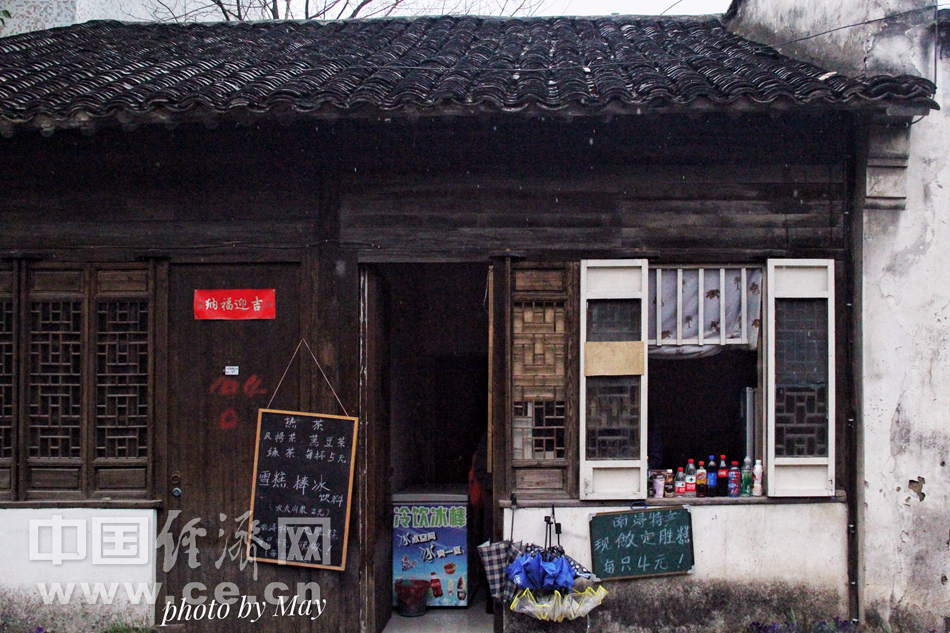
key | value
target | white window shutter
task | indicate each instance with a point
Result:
(800, 378)
(613, 376)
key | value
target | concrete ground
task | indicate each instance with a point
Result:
(471, 619)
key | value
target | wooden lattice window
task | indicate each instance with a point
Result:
(543, 423)
(80, 400)
(122, 347)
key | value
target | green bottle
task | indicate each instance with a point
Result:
(745, 489)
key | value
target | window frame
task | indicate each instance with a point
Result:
(798, 476)
(100, 479)
(614, 478)
(542, 281)
(784, 476)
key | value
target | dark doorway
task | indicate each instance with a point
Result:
(439, 369)
(425, 339)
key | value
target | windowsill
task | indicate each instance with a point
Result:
(840, 497)
(128, 504)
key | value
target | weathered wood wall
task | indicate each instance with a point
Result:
(708, 189)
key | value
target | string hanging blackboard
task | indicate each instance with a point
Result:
(642, 542)
(303, 484)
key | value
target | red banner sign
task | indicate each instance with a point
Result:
(236, 305)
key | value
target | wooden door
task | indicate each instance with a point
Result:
(211, 438)
(376, 577)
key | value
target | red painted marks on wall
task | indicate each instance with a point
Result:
(228, 419)
(234, 392)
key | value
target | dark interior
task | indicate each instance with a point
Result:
(439, 370)
(695, 407)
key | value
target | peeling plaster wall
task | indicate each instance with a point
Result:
(905, 312)
(906, 405)
(893, 45)
(752, 563)
(775, 542)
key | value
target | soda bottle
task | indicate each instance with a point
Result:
(757, 479)
(745, 486)
(722, 478)
(690, 479)
(734, 480)
(701, 480)
(435, 584)
(712, 473)
(669, 488)
(679, 483)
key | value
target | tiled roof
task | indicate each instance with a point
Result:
(430, 65)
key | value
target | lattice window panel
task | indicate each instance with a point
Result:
(122, 379)
(801, 422)
(801, 378)
(613, 417)
(6, 379)
(538, 355)
(55, 394)
(613, 320)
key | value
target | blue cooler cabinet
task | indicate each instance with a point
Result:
(430, 541)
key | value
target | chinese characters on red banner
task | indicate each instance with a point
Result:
(236, 304)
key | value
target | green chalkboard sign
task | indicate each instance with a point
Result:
(638, 543)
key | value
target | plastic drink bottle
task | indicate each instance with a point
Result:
(722, 479)
(745, 485)
(669, 489)
(679, 483)
(757, 479)
(712, 473)
(734, 480)
(690, 479)
(701, 480)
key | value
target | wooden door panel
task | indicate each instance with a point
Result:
(212, 430)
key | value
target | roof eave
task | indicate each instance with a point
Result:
(170, 118)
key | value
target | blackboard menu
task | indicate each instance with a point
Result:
(647, 542)
(303, 483)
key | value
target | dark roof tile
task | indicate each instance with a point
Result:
(100, 69)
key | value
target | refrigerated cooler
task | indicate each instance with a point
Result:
(430, 542)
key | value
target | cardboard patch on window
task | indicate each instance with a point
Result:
(624, 358)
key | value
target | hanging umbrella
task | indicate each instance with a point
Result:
(545, 577)
(496, 557)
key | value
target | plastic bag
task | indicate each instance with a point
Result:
(556, 606)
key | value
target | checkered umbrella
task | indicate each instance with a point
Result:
(495, 558)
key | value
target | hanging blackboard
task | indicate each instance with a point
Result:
(637, 543)
(303, 482)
